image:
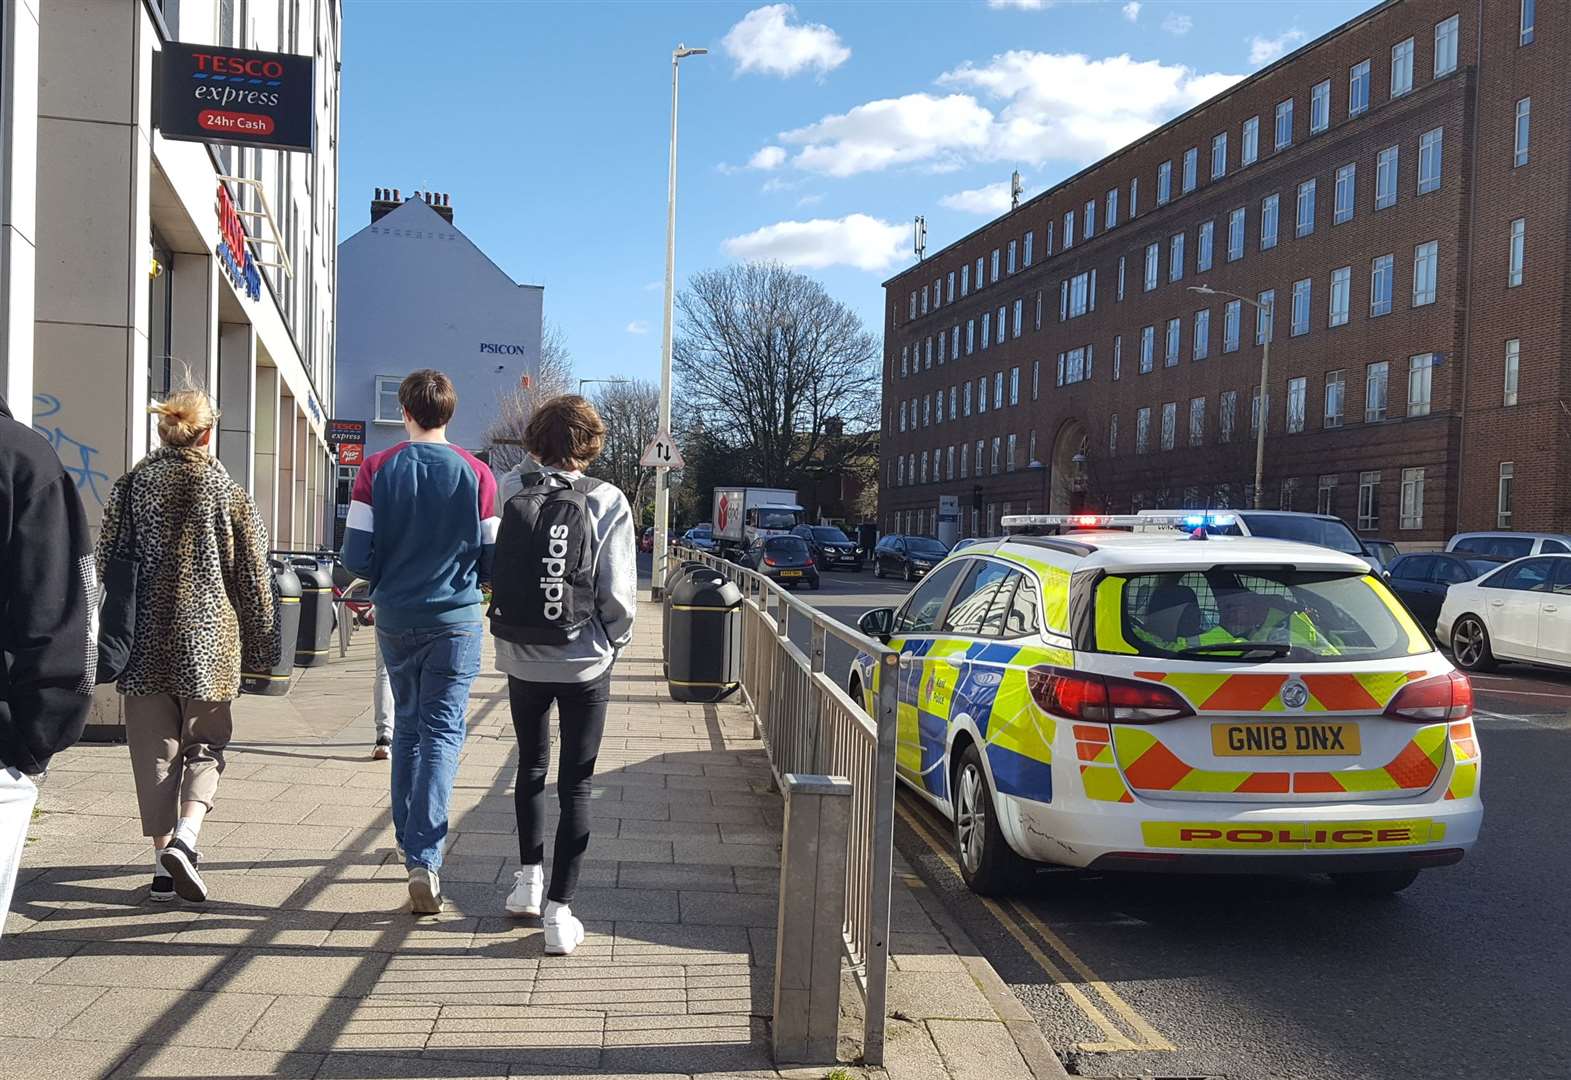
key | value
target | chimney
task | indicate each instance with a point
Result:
(384, 203)
(385, 200)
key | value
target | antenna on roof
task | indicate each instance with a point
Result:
(1015, 189)
(919, 238)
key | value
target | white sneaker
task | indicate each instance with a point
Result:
(563, 931)
(425, 892)
(528, 891)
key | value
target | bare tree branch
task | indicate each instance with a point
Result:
(553, 377)
(631, 411)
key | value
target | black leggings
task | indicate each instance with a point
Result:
(581, 708)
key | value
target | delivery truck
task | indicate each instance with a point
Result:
(742, 514)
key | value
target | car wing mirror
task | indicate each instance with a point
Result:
(878, 623)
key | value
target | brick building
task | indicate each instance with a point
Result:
(1383, 192)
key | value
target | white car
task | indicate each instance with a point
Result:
(1520, 612)
(1161, 702)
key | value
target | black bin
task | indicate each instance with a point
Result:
(686, 569)
(313, 645)
(275, 682)
(704, 643)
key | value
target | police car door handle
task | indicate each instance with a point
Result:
(1497, 603)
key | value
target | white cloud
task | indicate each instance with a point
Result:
(1178, 25)
(856, 240)
(1021, 5)
(638, 326)
(891, 131)
(770, 157)
(654, 286)
(1263, 50)
(810, 200)
(1132, 10)
(990, 200)
(766, 41)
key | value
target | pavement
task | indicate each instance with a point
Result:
(305, 962)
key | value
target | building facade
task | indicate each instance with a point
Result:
(1390, 219)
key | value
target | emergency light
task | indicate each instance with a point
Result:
(1177, 519)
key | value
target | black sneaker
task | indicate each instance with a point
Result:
(163, 890)
(382, 749)
(181, 862)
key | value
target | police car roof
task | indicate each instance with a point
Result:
(1167, 549)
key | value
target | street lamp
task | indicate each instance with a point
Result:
(585, 382)
(662, 491)
(1268, 308)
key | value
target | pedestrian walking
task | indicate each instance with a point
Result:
(565, 593)
(422, 531)
(47, 648)
(205, 611)
(382, 709)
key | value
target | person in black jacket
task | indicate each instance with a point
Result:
(48, 594)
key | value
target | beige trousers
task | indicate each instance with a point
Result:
(177, 754)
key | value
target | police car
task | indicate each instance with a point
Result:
(1137, 694)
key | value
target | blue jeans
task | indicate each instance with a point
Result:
(431, 670)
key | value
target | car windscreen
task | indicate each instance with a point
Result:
(924, 546)
(828, 534)
(1254, 614)
(1507, 547)
(776, 519)
(1322, 532)
(785, 547)
(1480, 567)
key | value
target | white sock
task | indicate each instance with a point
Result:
(185, 831)
(158, 867)
(554, 910)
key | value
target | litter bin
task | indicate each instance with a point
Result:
(314, 642)
(683, 571)
(275, 682)
(705, 638)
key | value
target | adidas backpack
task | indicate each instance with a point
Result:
(542, 581)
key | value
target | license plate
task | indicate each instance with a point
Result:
(790, 573)
(1285, 739)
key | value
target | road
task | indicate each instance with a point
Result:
(1464, 975)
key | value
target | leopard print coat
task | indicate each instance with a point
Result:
(204, 599)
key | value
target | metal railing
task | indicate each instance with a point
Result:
(810, 724)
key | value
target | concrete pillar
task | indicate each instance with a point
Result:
(300, 533)
(237, 402)
(286, 470)
(265, 448)
(810, 940)
(18, 193)
(193, 323)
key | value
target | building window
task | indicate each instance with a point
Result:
(927, 410)
(1020, 313)
(1143, 431)
(938, 406)
(1069, 229)
(1110, 210)
(1191, 168)
(1284, 124)
(1147, 349)
(1358, 88)
(929, 352)
(953, 400)
(1112, 435)
(900, 472)
(998, 390)
(1368, 501)
(981, 395)
(1003, 326)
(1134, 197)
(1175, 329)
(1385, 177)
(1420, 383)
(1164, 183)
(1446, 32)
(1529, 10)
(1306, 208)
(1249, 152)
(965, 463)
(1503, 495)
(1232, 316)
(1202, 345)
(1301, 292)
(951, 282)
(1175, 258)
(1401, 67)
(995, 274)
(965, 280)
(1513, 367)
(1346, 191)
(987, 328)
(1153, 259)
(1325, 495)
(1219, 155)
(954, 342)
(1382, 278)
(998, 451)
(1118, 355)
(1089, 224)
(388, 410)
(1336, 392)
(965, 397)
(1014, 386)
(1268, 221)
(1341, 294)
(1265, 317)
(1074, 366)
(1226, 415)
(1518, 252)
(941, 343)
(1235, 235)
(1376, 378)
(913, 304)
(1430, 149)
(1197, 421)
(1412, 499)
(1169, 424)
(1297, 393)
(981, 273)
(1524, 120)
(1082, 293)
(1120, 277)
(1009, 454)
(1204, 246)
(1320, 107)
(1426, 258)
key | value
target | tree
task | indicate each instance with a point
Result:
(782, 375)
(631, 411)
(552, 378)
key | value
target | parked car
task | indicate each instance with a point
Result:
(1382, 551)
(1322, 530)
(830, 546)
(1423, 579)
(701, 537)
(783, 559)
(1511, 545)
(1522, 611)
(908, 556)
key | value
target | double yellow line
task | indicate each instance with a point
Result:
(1136, 1033)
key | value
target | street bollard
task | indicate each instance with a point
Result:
(810, 940)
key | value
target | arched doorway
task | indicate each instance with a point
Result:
(1067, 492)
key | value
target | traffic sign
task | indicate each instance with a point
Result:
(661, 453)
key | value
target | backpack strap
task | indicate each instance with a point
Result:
(585, 484)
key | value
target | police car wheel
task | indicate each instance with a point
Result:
(1375, 882)
(987, 863)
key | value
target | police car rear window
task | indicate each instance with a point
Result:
(1249, 614)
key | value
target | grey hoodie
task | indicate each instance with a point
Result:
(616, 591)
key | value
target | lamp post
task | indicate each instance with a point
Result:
(662, 491)
(585, 382)
(1269, 310)
(1040, 467)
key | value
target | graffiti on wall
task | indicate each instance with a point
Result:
(77, 456)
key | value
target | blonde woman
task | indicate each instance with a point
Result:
(204, 608)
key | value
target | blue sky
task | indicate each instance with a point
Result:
(812, 133)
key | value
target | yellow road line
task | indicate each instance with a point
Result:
(1116, 1039)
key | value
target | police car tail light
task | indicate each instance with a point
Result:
(1443, 697)
(1095, 699)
